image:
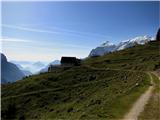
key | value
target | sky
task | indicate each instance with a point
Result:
(45, 31)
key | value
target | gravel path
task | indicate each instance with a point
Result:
(138, 106)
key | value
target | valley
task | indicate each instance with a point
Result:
(104, 87)
(80, 60)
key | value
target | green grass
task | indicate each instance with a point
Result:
(152, 109)
(83, 93)
(142, 57)
(89, 91)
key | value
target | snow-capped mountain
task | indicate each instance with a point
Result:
(102, 49)
(141, 40)
(108, 47)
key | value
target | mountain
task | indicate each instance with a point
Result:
(9, 71)
(19, 66)
(108, 47)
(102, 49)
(55, 62)
(22, 63)
(141, 40)
(25, 72)
(101, 88)
(35, 67)
(38, 64)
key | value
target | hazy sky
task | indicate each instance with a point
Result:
(45, 31)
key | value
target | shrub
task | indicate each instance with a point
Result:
(70, 109)
(10, 112)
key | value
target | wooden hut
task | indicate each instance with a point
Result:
(70, 61)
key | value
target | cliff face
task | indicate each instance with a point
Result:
(9, 71)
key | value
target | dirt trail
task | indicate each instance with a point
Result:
(138, 106)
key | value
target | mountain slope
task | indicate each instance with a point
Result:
(140, 57)
(78, 93)
(25, 72)
(104, 48)
(35, 67)
(55, 62)
(101, 88)
(9, 71)
(30, 67)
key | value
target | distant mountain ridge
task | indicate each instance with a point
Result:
(30, 67)
(35, 67)
(55, 62)
(9, 71)
(109, 47)
(26, 72)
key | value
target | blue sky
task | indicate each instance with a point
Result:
(45, 31)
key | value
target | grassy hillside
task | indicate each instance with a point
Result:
(89, 91)
(141, 57)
